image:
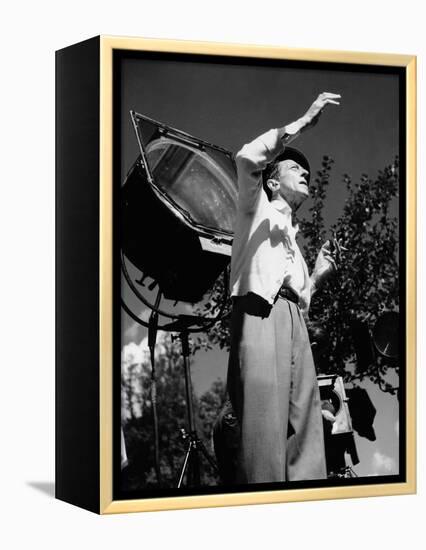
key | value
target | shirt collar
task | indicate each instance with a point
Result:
(282, 206)
(285, 209)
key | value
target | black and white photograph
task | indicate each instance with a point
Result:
(259, 274)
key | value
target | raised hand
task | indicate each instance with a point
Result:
(312, 115)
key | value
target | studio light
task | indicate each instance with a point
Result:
(178, 203)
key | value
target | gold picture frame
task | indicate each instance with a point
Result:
(105, 503)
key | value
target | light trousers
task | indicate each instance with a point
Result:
(274, 392)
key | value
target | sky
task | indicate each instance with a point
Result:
(229, 105)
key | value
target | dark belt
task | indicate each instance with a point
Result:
(288, 294)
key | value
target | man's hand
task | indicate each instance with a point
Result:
(327, 262)
(311, 117)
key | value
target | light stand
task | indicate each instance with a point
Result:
(191, 462)
(189, 188)
(183, 325)
(152, 338)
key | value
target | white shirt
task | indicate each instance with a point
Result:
(265, 254)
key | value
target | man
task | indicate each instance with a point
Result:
(271, 376)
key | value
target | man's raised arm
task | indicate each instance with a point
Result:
(254, 157)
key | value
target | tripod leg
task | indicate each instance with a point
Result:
(185, 464)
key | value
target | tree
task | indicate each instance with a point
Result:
(171, 408)
(367, 282)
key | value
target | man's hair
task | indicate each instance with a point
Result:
(273, 168)
(271, 172)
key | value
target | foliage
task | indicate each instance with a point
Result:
(171, 407)
(366, 283)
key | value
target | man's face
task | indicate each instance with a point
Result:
(293, 182)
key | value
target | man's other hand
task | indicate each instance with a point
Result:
(327, 262)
